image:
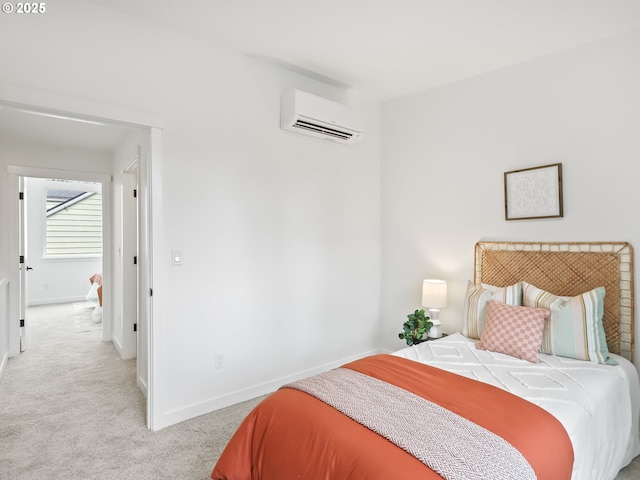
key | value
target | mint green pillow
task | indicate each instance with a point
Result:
(574, 328)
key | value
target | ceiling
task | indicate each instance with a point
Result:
(382, 48)
(390, 48)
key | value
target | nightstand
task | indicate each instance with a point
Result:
(428, 339)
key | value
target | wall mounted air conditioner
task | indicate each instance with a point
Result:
(302, 112)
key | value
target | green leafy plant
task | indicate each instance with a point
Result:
(414, 329)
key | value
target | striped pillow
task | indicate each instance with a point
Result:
(575, 328)
(515, 331)
(475, 304)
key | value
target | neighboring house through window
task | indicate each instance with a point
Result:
(73, 223)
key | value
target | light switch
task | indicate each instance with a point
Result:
(176, 257)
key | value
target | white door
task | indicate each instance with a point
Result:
(144, 373)
(22, 265)
(130, 260)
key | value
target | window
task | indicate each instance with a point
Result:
(73, 222)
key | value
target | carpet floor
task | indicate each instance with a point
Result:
(70, 409)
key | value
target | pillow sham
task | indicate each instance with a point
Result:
(575, 328)
(475, 304)
(515, 331)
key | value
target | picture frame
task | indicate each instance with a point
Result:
(533, 193)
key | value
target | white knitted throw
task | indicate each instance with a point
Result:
(449, 444)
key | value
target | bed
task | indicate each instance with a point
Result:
(475, 404)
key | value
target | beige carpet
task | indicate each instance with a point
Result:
(70, 409)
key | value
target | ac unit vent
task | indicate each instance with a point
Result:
(323, 130)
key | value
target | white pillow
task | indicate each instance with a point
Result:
(475, 304)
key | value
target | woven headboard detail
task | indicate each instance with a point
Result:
(569, 269)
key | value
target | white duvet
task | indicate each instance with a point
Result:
(598, 405)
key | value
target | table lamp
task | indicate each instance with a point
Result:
(434, 297)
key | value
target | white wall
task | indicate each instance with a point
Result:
(280, 233)
(52, 280)
(445, 151)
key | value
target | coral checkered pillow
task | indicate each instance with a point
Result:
(515, 331)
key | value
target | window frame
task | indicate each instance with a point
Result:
(72, 186)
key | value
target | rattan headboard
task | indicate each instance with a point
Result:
(569, 269)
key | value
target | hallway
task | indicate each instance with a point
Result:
(57, 396)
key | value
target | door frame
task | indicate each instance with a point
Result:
(17, 174)
(48, 102)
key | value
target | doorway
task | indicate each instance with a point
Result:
(112, 252)
(63, 246)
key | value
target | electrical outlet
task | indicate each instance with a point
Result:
(219, 361)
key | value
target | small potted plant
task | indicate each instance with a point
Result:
(415, 328)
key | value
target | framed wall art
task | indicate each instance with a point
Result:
(533, 192)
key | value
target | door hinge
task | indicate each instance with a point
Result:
(135, 193)
(20, 195)
(21, 322)
(151, 292)
(135, 260)
(21, 259)
(135, 327)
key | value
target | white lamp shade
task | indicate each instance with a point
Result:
(434, 293)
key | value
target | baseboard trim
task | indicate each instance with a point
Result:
(142, 385)
(116, 343)
(3, 364)
(171, 417)
(54, 301)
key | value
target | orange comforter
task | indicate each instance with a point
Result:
(292, 435)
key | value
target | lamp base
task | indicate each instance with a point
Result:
(435, 331)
